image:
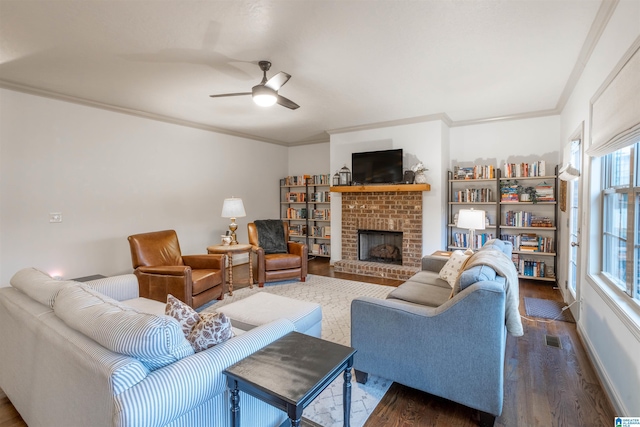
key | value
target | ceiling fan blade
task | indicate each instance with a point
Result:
(277, 81)
(230, 94)
(287, 102)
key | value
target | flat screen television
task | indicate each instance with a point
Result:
(377, 167)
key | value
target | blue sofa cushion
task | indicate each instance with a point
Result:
(475, 274)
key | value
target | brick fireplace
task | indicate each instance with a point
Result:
(385, 211)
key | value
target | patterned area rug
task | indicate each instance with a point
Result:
(547, 309)
(335, 296)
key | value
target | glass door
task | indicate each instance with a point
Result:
(573, 201)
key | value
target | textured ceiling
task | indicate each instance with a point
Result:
(352, 62)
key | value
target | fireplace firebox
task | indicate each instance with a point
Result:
(380, 246)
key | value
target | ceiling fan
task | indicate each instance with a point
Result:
(265, 94)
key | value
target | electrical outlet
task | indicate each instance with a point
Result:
(55, 216)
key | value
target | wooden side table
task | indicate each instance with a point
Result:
(229, 250)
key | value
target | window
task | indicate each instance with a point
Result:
(621, 219)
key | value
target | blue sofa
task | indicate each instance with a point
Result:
(444, 341)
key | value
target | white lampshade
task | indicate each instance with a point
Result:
(233, 208)
(471, 219)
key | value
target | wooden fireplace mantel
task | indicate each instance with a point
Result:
(379, 188)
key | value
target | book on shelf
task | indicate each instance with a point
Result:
(293, 213)
(524, 170)
(525, 219)
(474, 172)
(473, 195)
(323, 179)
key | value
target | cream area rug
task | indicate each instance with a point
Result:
(335, 296)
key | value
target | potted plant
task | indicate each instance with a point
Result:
(528, 194)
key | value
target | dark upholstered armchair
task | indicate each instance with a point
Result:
(161, 270)
(272, 267)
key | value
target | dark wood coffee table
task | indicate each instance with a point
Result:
(290, 373)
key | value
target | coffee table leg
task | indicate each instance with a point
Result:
(346, 394)
(235, 406)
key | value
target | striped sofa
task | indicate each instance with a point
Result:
(56, 373)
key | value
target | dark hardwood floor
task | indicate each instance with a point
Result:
(544, 386)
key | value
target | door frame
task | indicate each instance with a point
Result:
(569, 297)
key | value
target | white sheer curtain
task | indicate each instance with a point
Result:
(615, 109)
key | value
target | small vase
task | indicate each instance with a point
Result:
(420, 178)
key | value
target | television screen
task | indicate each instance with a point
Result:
(377, 167)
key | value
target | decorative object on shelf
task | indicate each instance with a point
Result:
(336, 179)
(233, 208)
(226, 239)
(409, 177)
(527, 194)
(345, 176)
(419, 170)
(472, 220)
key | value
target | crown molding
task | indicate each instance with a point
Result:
(152, 116)
(519, 116)
(408, 121)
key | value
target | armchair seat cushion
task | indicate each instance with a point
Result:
(205, 279)
(282, 261)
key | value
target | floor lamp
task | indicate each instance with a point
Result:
(472, 220)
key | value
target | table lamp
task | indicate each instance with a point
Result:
(472, 220)
(233, 208)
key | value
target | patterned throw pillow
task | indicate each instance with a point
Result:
(201, 330)
(213, 328)
(185, 315)
(453, 267)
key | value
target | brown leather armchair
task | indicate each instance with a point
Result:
(279, 266)
(161, 270)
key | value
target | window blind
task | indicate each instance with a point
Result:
(615, 110)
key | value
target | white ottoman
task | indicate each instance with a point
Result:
(263, 307)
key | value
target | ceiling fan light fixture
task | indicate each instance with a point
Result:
(264, 96)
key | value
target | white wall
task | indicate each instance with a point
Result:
(312, 159)
(112, 175)
(512, 141)
(420, 142)
(612, 338)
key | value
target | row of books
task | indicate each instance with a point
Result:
(529, 242)
(474, 172)
(300, 230)
(461, 240)
(321, 214)
(523, 170)
(293, 197)
(509, 193)
(306, 179)
(321, 231)
(473, 195)
(545, 193)
(321, 249)
(293, 213)
(301, 213)
(532, 268)
(525, 219)
(320, 196)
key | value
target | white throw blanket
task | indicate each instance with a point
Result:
(502, 265)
